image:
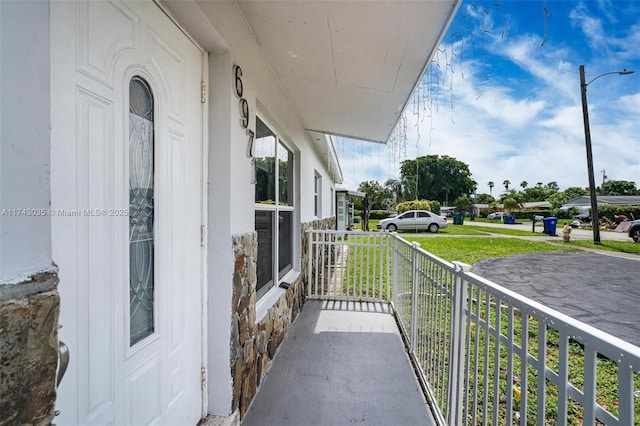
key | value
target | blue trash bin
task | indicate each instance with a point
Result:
(549, 225)
(512, 219)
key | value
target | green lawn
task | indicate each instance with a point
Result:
(472, 250)
(619, 246)
(503, 231)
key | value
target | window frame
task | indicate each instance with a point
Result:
(275, 209)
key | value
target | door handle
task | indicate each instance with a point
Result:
(63, 356)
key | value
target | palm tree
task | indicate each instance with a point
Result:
(506, 184)
(511, 204)
(524, 184)
(491, 185)
(539, 185)
(394, 186)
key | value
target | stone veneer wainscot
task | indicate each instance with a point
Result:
(29, 350)
(254, 345)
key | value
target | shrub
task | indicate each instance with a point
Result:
(632, 212)
(380, 214)
(433, 206)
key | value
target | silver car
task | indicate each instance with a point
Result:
(496, 215)
(414, 220)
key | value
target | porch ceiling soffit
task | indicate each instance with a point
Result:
(349, 67)
(325, 147)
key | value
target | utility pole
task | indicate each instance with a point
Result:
(595, 220)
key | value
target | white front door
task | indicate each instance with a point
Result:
(126, 173)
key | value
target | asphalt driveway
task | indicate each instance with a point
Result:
(602, 291)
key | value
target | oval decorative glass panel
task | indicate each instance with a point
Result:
(141, 209)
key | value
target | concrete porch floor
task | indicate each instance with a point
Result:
(342, 363)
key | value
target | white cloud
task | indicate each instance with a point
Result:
(631, 103)
(591, 27)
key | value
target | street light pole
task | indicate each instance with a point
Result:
(595, 220)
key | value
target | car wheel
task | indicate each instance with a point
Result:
(392, 228)
(433, 228)
(636, 236)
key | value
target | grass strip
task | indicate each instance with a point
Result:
(472, 250)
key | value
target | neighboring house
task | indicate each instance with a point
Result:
(345, 212)
(476, 209)
(613, 200)
(536, 205)
(160, 164)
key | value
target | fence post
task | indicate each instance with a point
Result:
(414, 295)
(457, 359)
(394, 270)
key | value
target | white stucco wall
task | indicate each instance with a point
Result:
(311, 163)
(25, 240)
(264, 94)
(223, 31)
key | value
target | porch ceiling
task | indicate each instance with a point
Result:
(349, 67)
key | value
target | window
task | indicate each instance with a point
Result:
(274, 208)
(317, 194)
(141, 211)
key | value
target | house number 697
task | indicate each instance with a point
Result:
(244, 117)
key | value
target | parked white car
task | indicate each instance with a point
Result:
(496, 215)
(414, 220)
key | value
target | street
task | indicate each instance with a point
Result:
(576, 233)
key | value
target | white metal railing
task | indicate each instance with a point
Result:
(349, 265)
(484, 354)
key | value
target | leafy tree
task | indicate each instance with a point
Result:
(557, 200)
(474, 187)
(462, 204)
(618, 187)
(574, 192)
(484, 199)
(491, 185)
(512, 193)
(506, 184)
(375, 195)
(537, 193)
(438, 178)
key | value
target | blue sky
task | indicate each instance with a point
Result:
(503, 95)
